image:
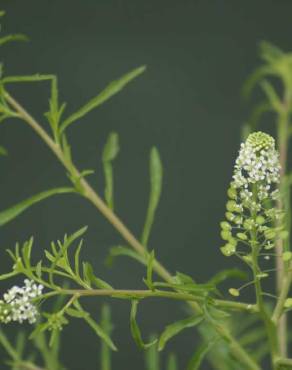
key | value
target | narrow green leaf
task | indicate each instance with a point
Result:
(271, 95)
(123, 251)
(38, 269)
(8, 346)
(79, 314)
(173, 329)
(26, 253)
(156, 175)
(20, 343)
(200, 354)
(90, 278)
(259, 73)
(228, 274)
(100, 332)
(9, 38)
(11, 213)
(110, 152)
(200, 289)
(3, 151)
(112, 89)
(269, 52)
(77, 258)
(149, 280)
(30, 78)
(135, 330)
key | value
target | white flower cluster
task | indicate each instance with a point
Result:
(17, 304)
(258, 162)
(255, 180)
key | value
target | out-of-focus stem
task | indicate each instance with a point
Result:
(283, 136)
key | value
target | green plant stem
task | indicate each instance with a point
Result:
(283, 295)
(94, 198)
(283, 135)
(141, 294)
(269, 324)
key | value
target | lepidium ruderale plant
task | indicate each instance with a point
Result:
(234, 335)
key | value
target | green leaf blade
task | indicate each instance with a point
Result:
(112, 89)
(9, 214)
(174, 329)
(156, 178)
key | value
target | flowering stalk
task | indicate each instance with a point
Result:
(252, 215)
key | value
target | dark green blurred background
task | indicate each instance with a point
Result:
(188, 103)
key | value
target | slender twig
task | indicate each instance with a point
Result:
(94, 198)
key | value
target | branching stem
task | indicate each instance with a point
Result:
(96, 200)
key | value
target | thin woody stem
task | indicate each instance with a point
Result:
(95, 199)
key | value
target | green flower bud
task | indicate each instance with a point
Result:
(230, 216)
(288, 303)
(260, 220)
(248, 224)
(247, 258)
(225, 225)
(269, 245)
(228, 249)
(226, 234)
(234, 292)
(241, 236)
(231, 192)
(287, 256)
(270, 234)
(238, 220)
(233, 242)
(262, 275)
(232, 206)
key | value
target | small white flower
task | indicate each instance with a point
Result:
(17, 304)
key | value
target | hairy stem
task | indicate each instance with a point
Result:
(94, 198)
